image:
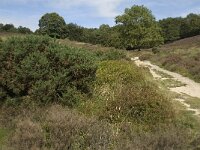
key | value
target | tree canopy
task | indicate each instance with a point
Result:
(139, 28)
(171, 28)
(52, 24)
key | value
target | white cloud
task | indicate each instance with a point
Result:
(104, 8)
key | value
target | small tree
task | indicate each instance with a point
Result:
(139, 28)
(52, 24)
(9, 28)
(24, 30)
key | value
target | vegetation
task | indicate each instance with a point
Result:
(11, 28)
(36, 66)
(146, 31)
(61, 94)
(181, 60)
(52, 24)
(179, 28)
(139, 28)
(105, 99)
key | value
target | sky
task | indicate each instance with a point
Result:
(88, 13)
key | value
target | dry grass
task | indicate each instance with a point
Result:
(132, 97)
(5, 35)
(87, 46)
(181, 56)
(56, 127)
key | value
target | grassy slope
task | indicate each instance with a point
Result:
(5, 35)
(182, 56)
(30, 120)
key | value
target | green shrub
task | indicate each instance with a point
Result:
(114, 72)
(128, 95)
(41, 70)
(141, 104)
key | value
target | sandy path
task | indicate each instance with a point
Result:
(191, 88)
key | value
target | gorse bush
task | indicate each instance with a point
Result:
(110, 72)
(39, 69)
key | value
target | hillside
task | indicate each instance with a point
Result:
(182, 56)
(191, 42)
(69, 97)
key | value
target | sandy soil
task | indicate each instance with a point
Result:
(191, 88)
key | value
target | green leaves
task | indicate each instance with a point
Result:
(52, 24)
(46, 72)
(139, 28)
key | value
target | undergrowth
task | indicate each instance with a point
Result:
(57, 97)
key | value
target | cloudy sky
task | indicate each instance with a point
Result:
(88, 13)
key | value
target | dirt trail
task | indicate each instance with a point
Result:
(191, 88)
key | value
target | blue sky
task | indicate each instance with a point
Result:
(88, 13)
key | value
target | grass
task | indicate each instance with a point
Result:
(87, 46)
(193, 101)
(3, 136)
(181, 56)
(6, 35)
(183, 61)
(171, 83)
(125, 110)
(162, 74)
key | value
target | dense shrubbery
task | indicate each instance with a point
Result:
(123, 93)
(178, 28)
(39, 69)
(13, 29)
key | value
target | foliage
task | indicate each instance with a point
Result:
(129, 95)
(43, 71)
(24, 30)
(190, 26)
(11, 28)
(178, 28)
(139, 28)
(52, 24)
(8, 27)
(73, 32)
(171, 28)
(58, 128)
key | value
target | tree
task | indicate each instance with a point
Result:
(24, 30)
(139, 28)
(9, 28)
(1, 27)
(190, 26)
(73, 32)
(52, 24)
(171, 28)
